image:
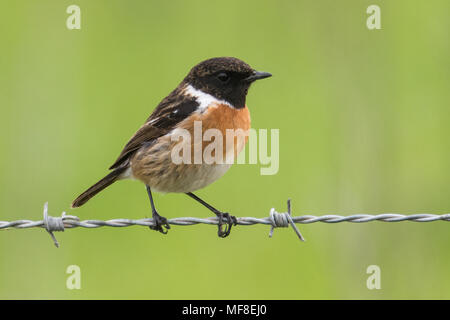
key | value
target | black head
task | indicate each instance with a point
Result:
(225, 78)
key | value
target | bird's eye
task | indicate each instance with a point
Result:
(223, 77)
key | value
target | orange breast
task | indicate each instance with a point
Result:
(225, 117)
(231, 122)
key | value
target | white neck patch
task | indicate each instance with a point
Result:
(204, 99)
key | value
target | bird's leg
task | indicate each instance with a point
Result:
(231, 220)
(159, 221)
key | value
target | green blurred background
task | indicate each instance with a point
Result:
(364, 127)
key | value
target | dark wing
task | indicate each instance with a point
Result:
(172, 110)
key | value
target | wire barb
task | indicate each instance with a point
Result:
(55, 223)
(275, 220)
(52, 224)
(283, 220)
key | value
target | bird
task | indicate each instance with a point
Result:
(213, 94)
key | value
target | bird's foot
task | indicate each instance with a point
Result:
(231, 220)
(159, 222)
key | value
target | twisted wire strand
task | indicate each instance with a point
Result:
(275, 220)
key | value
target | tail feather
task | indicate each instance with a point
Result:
(99, 186)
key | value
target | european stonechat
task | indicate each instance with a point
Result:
(213, 93)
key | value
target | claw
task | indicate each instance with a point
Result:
(231, 221)
(160, 222)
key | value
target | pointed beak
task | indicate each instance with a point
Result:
(257, 75)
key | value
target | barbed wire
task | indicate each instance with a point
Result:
(275, 220)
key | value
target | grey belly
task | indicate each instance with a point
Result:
(189, 178)
(155, 168)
